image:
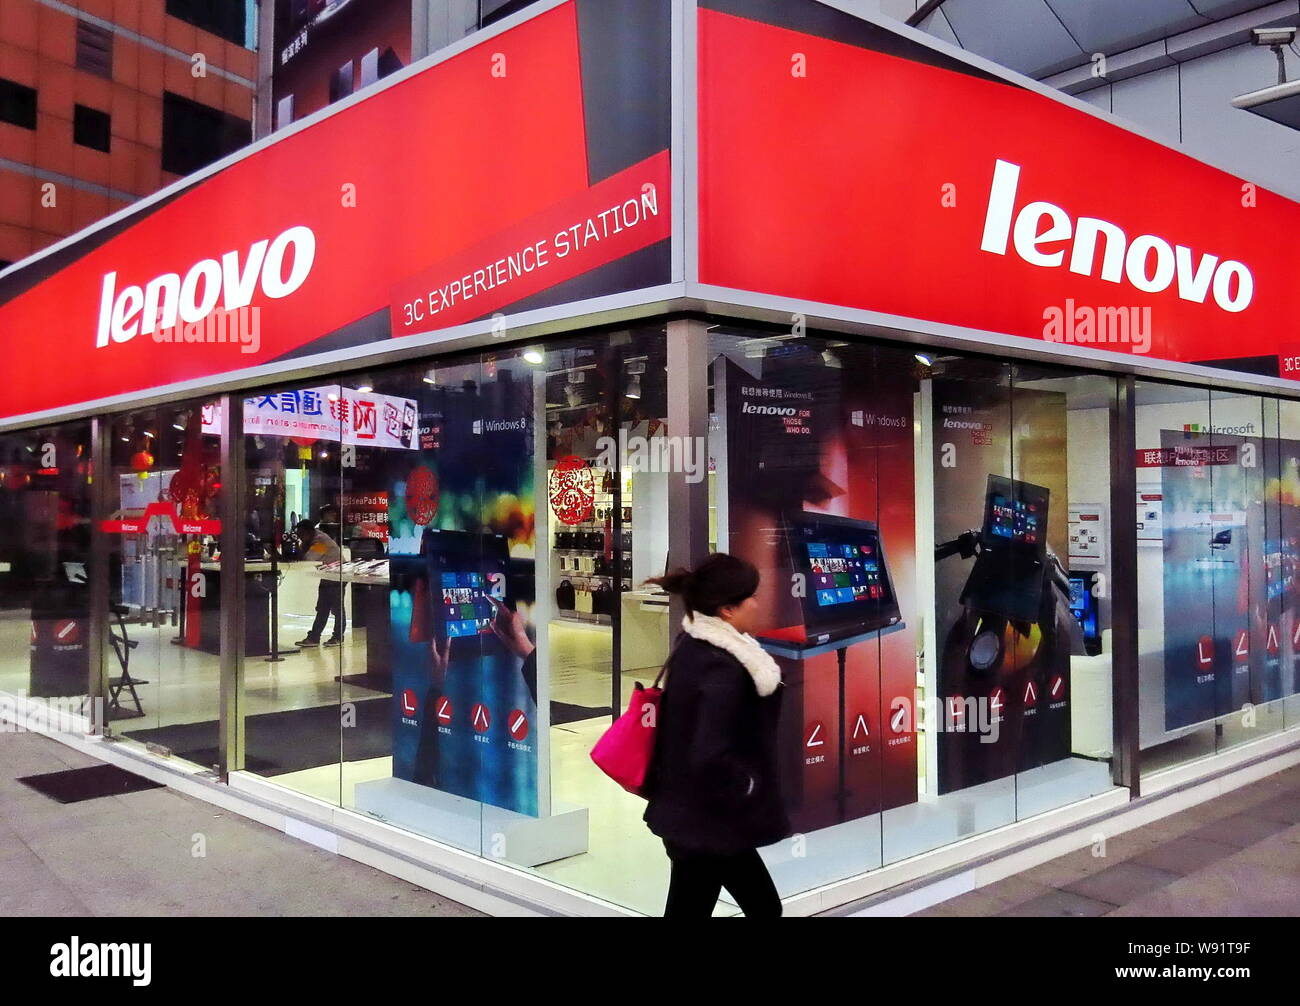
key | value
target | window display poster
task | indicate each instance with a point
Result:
(466, 717)
(1003, 626)
(814, 431)
(1231, 631)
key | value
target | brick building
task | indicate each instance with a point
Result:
(105, 101)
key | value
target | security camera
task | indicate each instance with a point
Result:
(1273, 36)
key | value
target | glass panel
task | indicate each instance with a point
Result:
(603, 521)
(164, 624)
(1247, 602)
(1063, 674)
(45, 480)
(973, 518)
(1285, 492)
(1183, 571)
(295, 600)
(812, 441)
(428, 575)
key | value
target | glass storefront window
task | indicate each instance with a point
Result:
(45, 535)
(1217, 628)
(444, 600)
(163, 643)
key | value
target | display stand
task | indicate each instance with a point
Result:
(840, 647)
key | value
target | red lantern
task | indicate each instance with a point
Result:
(141, 461)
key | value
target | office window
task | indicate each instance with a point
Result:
(376, 65)
(94, 49)
(370, 67)
(389, 62)
(284, 111)
(341, 82)
(195, 135)
(17, 104)
(91, 128)
(227, 18)
(499, 10)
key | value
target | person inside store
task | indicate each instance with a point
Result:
(321, 548)
(713, 785)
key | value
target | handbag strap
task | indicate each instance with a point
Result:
(671, 653)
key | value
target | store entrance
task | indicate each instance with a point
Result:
(163, 640)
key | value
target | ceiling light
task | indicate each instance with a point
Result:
(533, 356)
(924, 360)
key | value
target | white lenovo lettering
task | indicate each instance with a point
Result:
(169, 297)
(1148, 262)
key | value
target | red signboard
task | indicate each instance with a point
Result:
(437, 180)
(843, 164)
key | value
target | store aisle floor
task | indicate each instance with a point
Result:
(1235, 855)
(135, 855)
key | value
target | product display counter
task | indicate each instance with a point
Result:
(368, 609)
(259, 581)
(645, 630)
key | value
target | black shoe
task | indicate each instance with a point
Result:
(308, 641)
(333, 641)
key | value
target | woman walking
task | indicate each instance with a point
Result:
(713, 787)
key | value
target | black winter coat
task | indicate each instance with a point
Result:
(714, 783)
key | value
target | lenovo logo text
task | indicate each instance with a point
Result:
(231, 281)
(1149, 263)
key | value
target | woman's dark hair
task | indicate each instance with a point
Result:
(718, 581)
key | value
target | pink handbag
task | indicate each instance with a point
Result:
(624, 750)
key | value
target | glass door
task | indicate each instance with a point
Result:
(164, 627)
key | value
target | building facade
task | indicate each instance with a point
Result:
(102, 103)
(1025, 521)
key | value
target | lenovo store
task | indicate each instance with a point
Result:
(338, 503)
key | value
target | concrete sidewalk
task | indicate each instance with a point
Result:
(1236, 855)
(133, 855)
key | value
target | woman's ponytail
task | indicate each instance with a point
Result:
(719, 581)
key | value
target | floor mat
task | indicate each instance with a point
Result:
(288, 741)
(297, 739)
(567, 712)
(375, 682)
(91, 783)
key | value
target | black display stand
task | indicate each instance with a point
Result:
(841, 647)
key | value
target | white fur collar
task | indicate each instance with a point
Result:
(757, 661)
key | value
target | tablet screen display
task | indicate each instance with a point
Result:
(465, 570)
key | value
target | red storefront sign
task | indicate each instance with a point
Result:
(875, 173)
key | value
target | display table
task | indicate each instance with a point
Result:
(646, 632)
(370, 611)
(259, 581)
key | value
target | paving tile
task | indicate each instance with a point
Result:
(1122, 883)
(1059, 904)
(1240, 830)
(1284, 807)
(1226, 889)
(133, 855)
(1185, 854)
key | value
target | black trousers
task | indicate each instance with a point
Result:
(699, 877)
(329, 601)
